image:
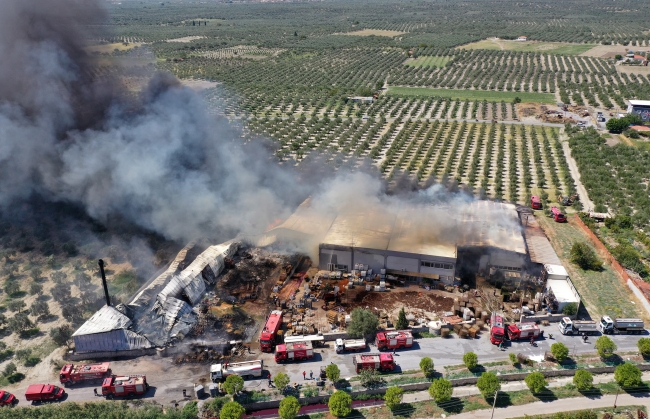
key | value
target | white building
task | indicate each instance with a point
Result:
(640, 107)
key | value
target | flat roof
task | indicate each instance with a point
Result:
(362, 228)
(410, 234)
(634, 102)
(555, 270)
(562, 291)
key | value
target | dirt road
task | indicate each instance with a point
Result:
(575, 173)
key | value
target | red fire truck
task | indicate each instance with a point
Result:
(535, 202)
(130, 385)
(294, 351)
(378, 362)
(7, 399)
(394, 340)
(270, 331)
(523, 331)
(497, 332)
(557, 215)
(43, 392)
(71, 374)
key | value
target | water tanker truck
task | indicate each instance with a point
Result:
(43, 392)
(247, 369)
(609, 326)
(350, 345)
(577, 327)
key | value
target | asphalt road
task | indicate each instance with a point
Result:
(168, 380)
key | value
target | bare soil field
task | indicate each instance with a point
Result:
(185, 39)
(633, 69)
(604, 51)
(108, 48)
(375, 32)
(432, 301)
(199, 85)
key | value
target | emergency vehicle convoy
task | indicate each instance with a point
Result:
(394, 340)
(295, 351)
(379, 362)
(124, 386)
(270, 332)
(72, 374)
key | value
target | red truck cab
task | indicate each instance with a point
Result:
(7, 399)
(270, 331)
(130, 385)
(71, 374)
(535, 202)
(497, 329)
(43, 392)
(557, 215)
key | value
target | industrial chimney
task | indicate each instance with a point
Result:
(101, 269)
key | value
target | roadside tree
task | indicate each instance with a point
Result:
(605, 347)
(333, 373)
(402, 322)
(426, 365)
(289, 408)
(628, 375)
(441, 390)
(560, 351)
(488, 384)
(583, 380)
(470, 359)
(281, 381)
(393, 397)
(233, 384)
(340, 404)
(536, 382)
(232, 410)
(644, 347)
(362, 323)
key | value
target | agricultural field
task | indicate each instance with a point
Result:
(109, 48)
(529, 46)
(472, 94)
(428, 61)
(375, 32)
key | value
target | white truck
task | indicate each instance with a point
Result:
(577, 327)
(246, 369)
(609, 326)
(350, 345)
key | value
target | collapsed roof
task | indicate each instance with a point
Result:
(155, 321)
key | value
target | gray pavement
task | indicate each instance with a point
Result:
(447, 352)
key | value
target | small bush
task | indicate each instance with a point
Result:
(30, 333)
(570, 309)
(441, 390)
(585, 257)
(560, 351)
(16, 377)
(393, 397)
(470, 359)
(536, 382)
(513, 358)
(426, 365)
(32, 361)
(644, 347)
(488, 384)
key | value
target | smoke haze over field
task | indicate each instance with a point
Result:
(166, 165)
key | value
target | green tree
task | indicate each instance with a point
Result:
(401, 323)
(289, 408)
(488, 384)
(617, 125)
(644, 347)
(58, 277)
(362, 323)
(513, 358)
(470, 359)
(11, 287)
(20, 322)
(570, 309)
(16, 305)
(605, 347)
(583, 380)
(585, 257)
(370, 378)
(628, 375)
(39, 308)
(426, 365)
(536, 382)
(62, 335)
(560, 351)
(393, 397)
(441, 390)
(35, 288)
(281, 381)
(233, 384)
(232, 410)
(333, 373)
(340, 404)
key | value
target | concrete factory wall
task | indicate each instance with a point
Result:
(328, 256)
(375, 260)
